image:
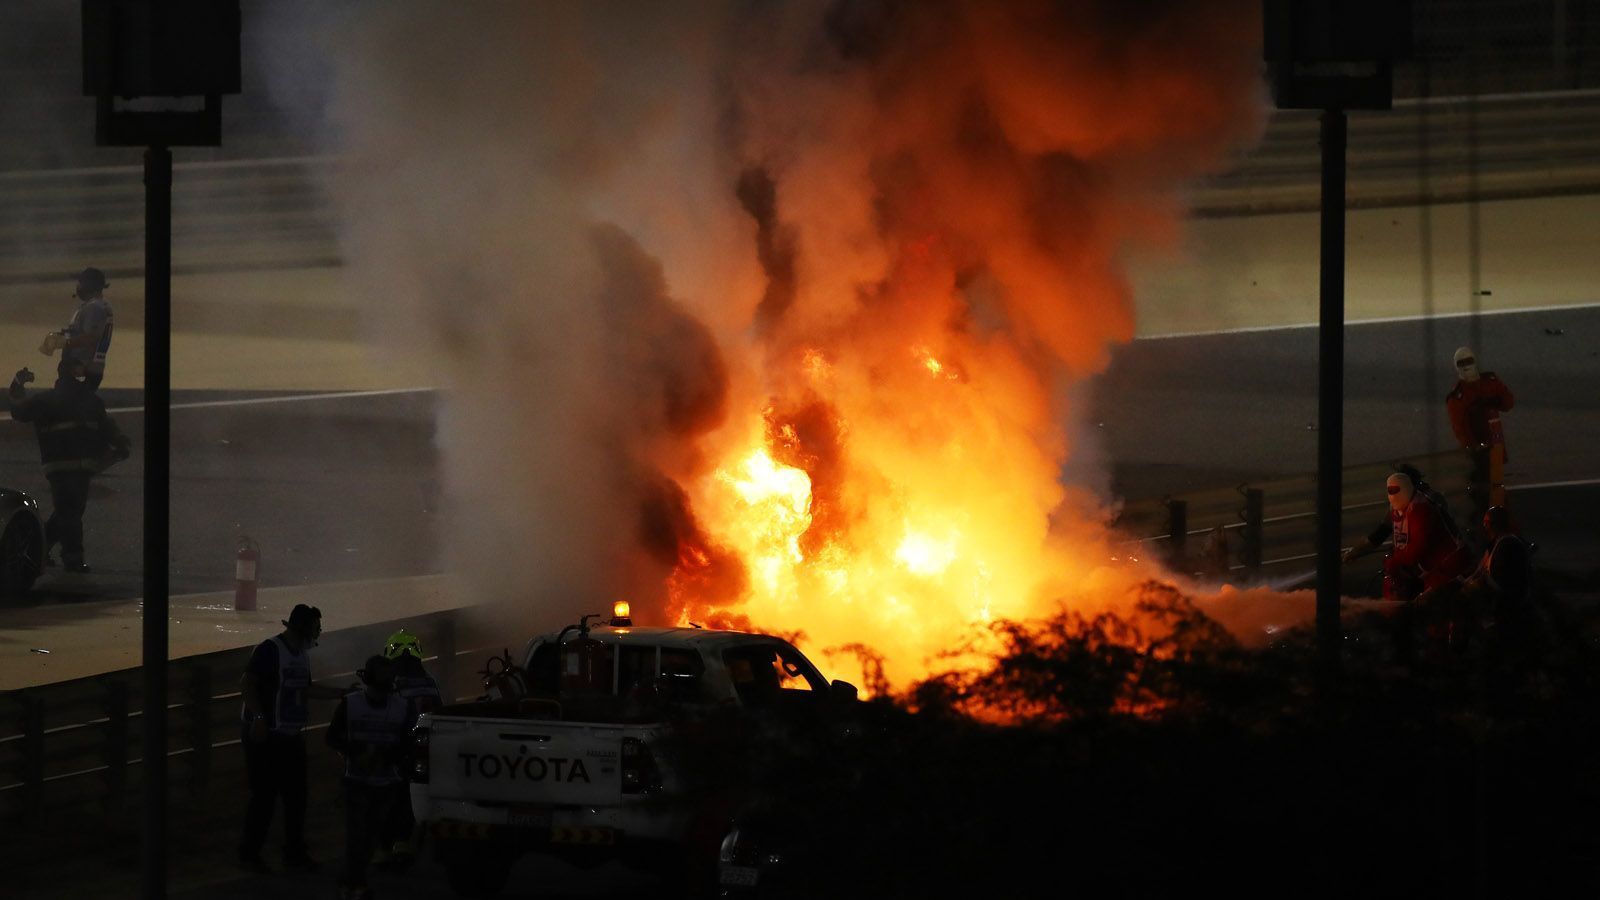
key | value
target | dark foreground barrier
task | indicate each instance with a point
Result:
(70, 749)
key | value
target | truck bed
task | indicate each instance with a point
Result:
(599, 710)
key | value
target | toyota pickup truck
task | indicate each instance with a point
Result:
(570, 762)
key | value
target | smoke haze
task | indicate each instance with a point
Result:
(773, 314)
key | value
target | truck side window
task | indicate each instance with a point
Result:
(680, 673)
(681, 663)
(587, 667)
(771, 673)
(796, 674)
(635, 669)
(542, 671)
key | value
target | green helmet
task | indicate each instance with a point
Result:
(402, 642)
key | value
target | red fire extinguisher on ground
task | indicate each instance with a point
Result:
(244, 574)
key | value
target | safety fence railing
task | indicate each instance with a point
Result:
(1270, 525)
(74, 745)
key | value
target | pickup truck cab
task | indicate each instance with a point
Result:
(569, 764)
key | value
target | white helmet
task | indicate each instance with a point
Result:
(1401, 491)
(1466, 364)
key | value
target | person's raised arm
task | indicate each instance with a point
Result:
(338, 730)
(250, 689)
(17, 396)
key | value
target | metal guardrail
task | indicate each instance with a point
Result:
(69, 745)
(1242, 512)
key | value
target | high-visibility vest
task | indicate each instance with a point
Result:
(289, 712)
(368, 727)
(420, 692)
(93, 358)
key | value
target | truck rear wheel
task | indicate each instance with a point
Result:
(20, 562)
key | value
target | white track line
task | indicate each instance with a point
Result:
(268, 162)
(1579, 94)
(1388, 320)
(287, 398)
(344, 395)
(1546, 485)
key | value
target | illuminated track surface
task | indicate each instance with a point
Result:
(337, 489)
(342, 488)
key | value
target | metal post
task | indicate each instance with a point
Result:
(444, 644)
(32, 756)
(1330, 385)
(1478, 53)
(157, 397)
(1254, 513)
(1430, 327)
(1178, 533)
(199, 729)
(116, 744)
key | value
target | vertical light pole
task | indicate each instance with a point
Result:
(157, 70)
(1330, 385)
(157, 502)
(1332, 55)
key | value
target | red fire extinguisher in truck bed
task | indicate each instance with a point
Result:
(586, 664)
(245, 563)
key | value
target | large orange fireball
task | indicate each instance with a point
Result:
(766, 315)
(940, 229)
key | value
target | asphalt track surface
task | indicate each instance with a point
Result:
(342, 487)
(1206, 410)
(332, 489)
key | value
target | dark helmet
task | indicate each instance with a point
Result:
(377, 673)
(1497, 520)
(92, 279)
(303, 618)
(1411, 472)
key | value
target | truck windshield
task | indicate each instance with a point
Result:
(772, 674)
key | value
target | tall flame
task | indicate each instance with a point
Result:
(768, 312)
(940, 230)
(906, 530)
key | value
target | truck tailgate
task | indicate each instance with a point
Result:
(518, 761)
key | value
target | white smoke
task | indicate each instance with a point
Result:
(490, 149)
(625, 230)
